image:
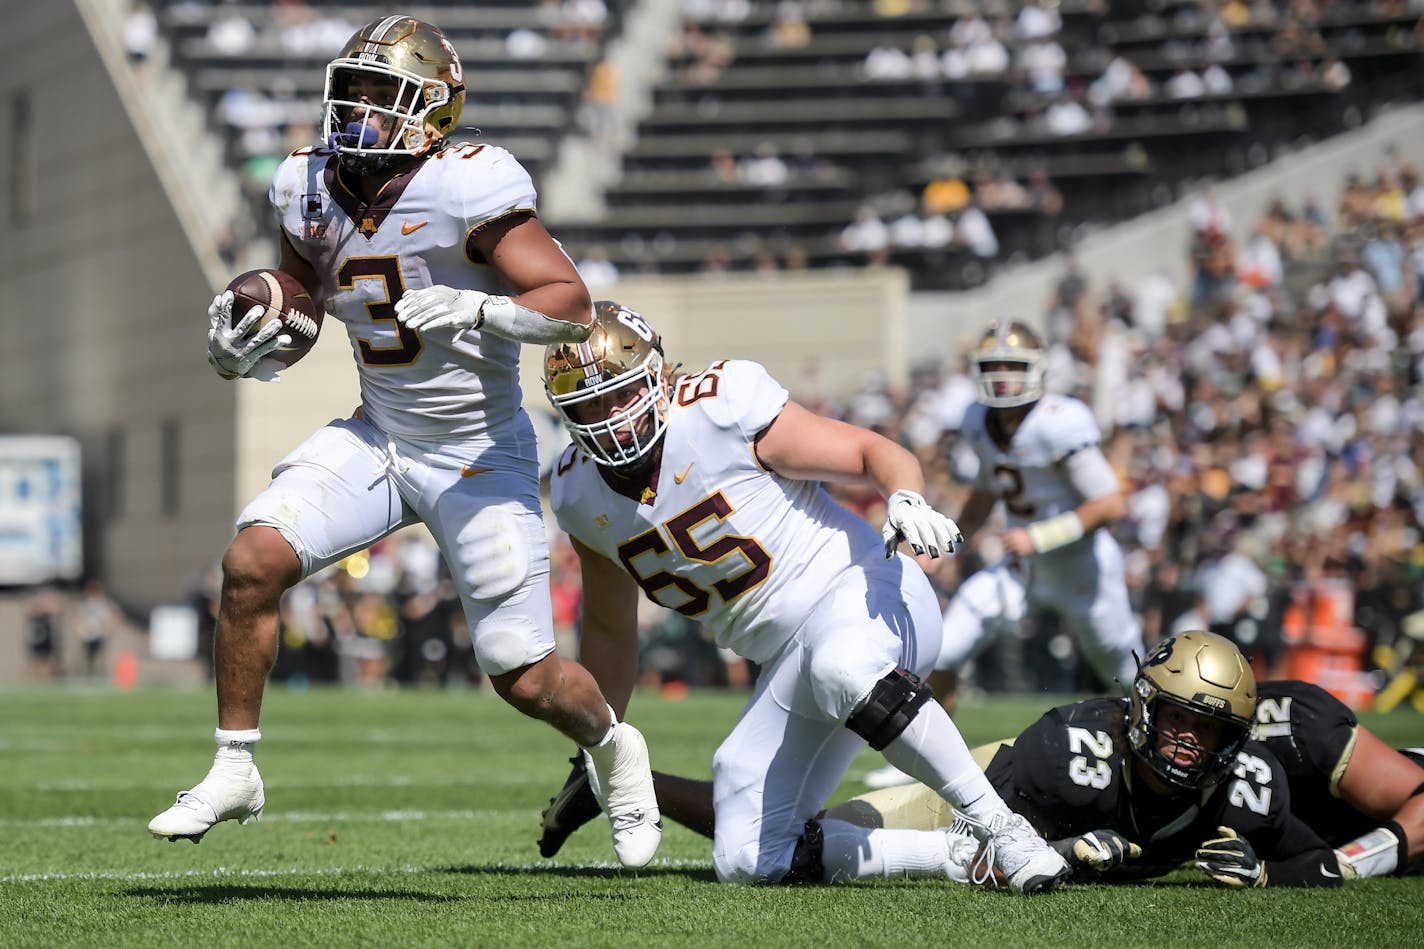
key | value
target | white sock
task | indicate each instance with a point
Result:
(236, 744)
(849, 852)
(237, 736)
(603, 752)
(932, 751)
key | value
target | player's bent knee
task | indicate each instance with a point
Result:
(839, 677)
(260, 556)
(746, 861)
(530, 686)
(504, 643)
(757, 861)
(890, 707)
(494, 553)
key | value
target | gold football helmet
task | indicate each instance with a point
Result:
(610, 391)
(1010, 343)
(424, 104)
(1205, 674)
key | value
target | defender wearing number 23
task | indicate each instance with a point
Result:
(1178, 776)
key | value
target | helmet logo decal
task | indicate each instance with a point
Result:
(1161, 655)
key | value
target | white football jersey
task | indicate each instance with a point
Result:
(1028, 475)
(424, 387)
(741, 549)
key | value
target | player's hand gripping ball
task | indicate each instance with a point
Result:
(284, 300)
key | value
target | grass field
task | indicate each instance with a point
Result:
(409, 819)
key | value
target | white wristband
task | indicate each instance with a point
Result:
(1374, 854)
(1054, 532)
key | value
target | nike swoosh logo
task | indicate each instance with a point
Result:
(677, 478)
(412, 228)
(1326, 873)
(466, 471)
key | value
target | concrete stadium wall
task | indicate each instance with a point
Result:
(103, 310)
(845, 323)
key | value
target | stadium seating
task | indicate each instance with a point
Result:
(852, 137)
(778, 125)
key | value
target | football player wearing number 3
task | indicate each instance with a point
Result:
(433, 257)
(704, 490)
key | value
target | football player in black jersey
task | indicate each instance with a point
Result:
(1135, 788)
(1358, 794)
(1362, 796)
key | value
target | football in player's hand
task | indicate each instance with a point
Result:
(286, 300)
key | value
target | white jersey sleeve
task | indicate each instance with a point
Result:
(749, 398)
(1031, 474)
(502, 187)
(716, 536)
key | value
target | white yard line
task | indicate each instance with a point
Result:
(295, 817)
(221, 873)
(350, 781)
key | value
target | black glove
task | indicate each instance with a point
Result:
(1230, 861)
(1098, 849)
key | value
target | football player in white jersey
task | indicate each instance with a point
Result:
(1040, 454)
(704, 490)
(433, 257)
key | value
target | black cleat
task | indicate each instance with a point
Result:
(568, 810)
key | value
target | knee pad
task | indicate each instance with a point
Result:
(503, 644)
(887, 711)
(494, 553)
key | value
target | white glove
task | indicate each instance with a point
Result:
(909, 517)
(232, 356)
(430, 308)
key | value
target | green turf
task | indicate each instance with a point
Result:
(409, 818)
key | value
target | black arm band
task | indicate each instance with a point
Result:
(1401, 860)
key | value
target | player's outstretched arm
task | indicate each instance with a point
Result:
(550, 305)
(1093, 478)
(801, 444)
(1383, 784)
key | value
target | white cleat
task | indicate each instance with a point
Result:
(1023, 857)
(231, 791)
(886, 777)
(622, 780)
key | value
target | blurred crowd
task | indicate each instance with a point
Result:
(1261, 417)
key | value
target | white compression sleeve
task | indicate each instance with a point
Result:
(503, 317)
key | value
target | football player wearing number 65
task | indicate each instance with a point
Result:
(704, 490)
(434, 258)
